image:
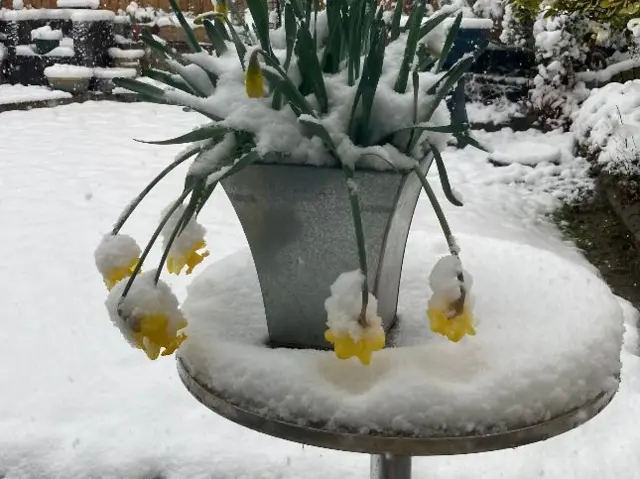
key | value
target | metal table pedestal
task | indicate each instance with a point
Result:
(390, 466)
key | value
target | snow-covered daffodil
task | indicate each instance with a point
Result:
(149, 316)
(117, 274)
(453, 326)
(191, 258)
(345, 347)
(351, 335)
(449, 308)
(155, 334)
(188, 249)
(253, 78)
(116, 257)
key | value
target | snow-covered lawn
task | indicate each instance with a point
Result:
(77, 402)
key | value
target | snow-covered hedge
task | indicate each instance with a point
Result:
(560, 50)
(607, 128)
(572, 45)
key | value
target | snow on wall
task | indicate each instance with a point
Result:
(94, 4)
(131, 54)
(57, 14)
(68, 71)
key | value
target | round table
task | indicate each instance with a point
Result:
(534, 370)
(391, 455)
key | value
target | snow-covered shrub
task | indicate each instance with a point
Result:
(633, 27)
(560, 49)
(607, 129)
(617, 13)
(493, 9)
(568, 36)
(517, 23)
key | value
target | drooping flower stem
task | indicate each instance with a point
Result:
(354, 201)
(153, 239)
(446, 231)
(174, 234)
(138, 199)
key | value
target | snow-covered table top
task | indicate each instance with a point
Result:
(548, 340)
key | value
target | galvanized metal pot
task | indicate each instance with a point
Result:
(298, 223)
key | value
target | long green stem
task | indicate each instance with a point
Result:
(446, 230)
(134, 204)
(152, 240)
(435, 204)
(362, 254)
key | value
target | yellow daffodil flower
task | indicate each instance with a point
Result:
(345, 347)
(115, 275)
(175, 263)
(154, 335)
(222, 7)
(253, 78)
(453, 327)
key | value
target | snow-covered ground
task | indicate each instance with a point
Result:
(77, 402)
(498, 112)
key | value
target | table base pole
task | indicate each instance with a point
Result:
(390, 466)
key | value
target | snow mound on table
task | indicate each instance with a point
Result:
(549, 339)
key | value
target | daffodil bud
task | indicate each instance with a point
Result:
(222, 7)
(253, 77)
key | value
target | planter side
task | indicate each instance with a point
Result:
(298, 223)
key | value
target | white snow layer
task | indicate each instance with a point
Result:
(498, 112)
(345, 304)
(130, 54)
(77, 402)
(531, 360)
(444, 281)
(114, 72)
(526, 153)
(115, 252)
(472, 23)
